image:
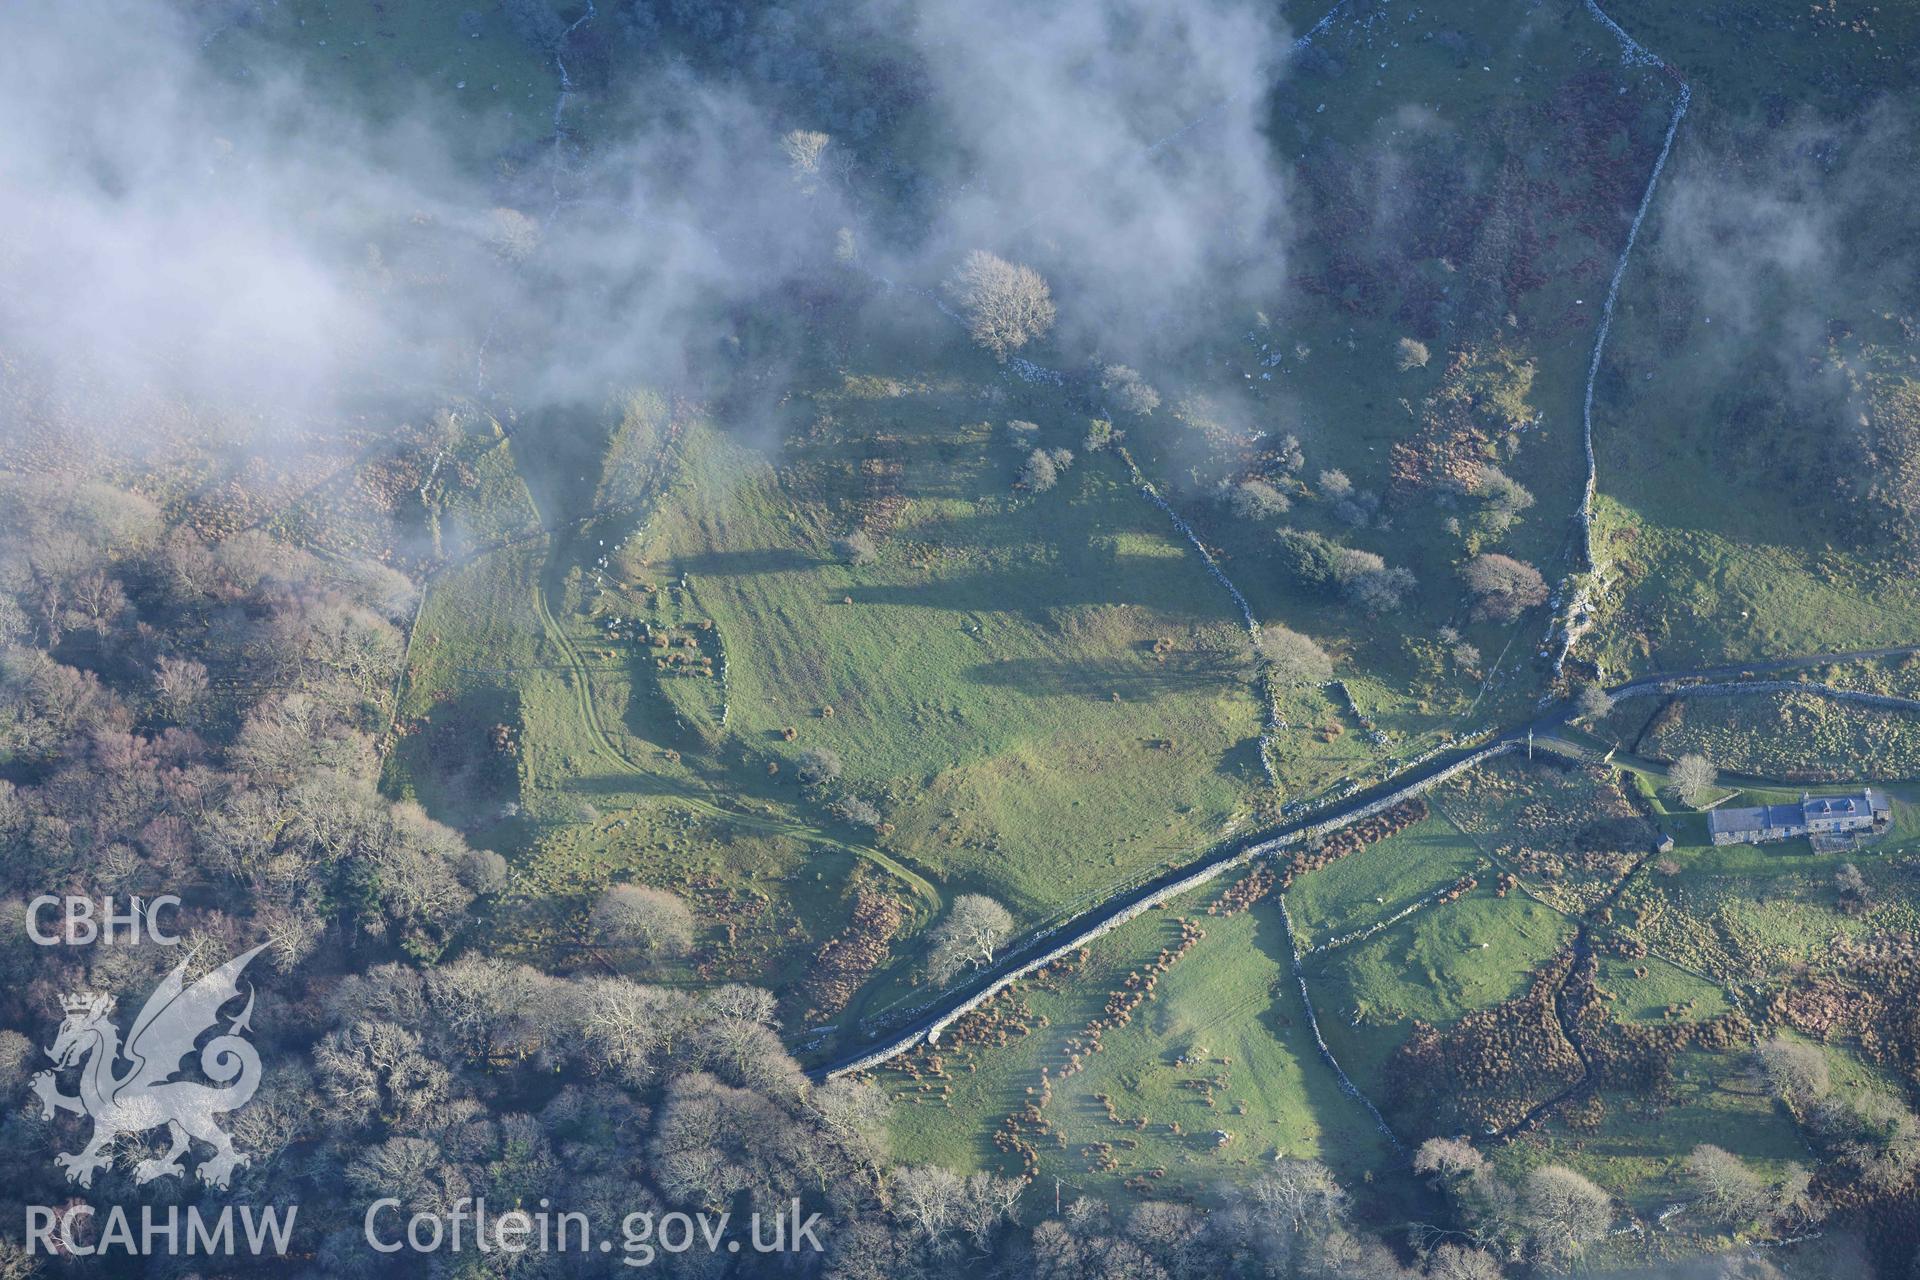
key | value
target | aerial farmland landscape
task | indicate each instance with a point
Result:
(899, 639)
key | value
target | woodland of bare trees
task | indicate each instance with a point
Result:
(405, 1060)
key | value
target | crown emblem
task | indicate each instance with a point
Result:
(86, 1002)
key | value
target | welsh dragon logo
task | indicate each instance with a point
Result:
(144, 1097)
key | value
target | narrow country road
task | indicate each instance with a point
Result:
(1762, 666)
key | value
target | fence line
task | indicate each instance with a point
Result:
(1578, 605)
(1347, 1086)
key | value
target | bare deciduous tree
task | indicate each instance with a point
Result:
(857, 547)
(819, 766)
(1043, 468)
(1006, 305)
(512, 234)
(804, 149)
(1366, 581)
(1460, 1262)
(1410, 353)
(1448, 1158)
(927, 1199)
(631, 1031)
(1293, 658)
(1258, 499)
(654, 923)
(1726, 1190)
(1129, 390)
(1299, 1194)
(969, 937)
(1692, 777)
(1564, 1212)
(1503, 588)
(985, 1202)
(180, 687)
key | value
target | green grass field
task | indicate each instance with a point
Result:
(1381, 881)
(992, 684)
(1634, 1148)
(1720, 419)
(1044, 696)
(1434, 966)
(1224, 1022)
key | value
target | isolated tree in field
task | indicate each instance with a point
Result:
(1794, 1072)
(1293, 658)
(1503, 588)
(1335, 485)
(1410, 353)
(1099, 435)
(1129, 390)
(804, 149)
(1039, 474)
(1855, 896)
(1006, 305)
(969, 936)
(654, 923)
(1724, 1188)
(1564, 1212)
(1287, 455)
(857, 547)
(1692, 777)
(1448, 1158)
(1504, 498)
(1043, 468)
(1258, 500)
(819, 766)
(1366, 581)
(861, 813)
(1593, 702)
(512, 234)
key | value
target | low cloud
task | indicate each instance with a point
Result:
(229, 235)
(176, 232)
(1062, 119)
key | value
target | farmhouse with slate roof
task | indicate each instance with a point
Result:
(1831, 821)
